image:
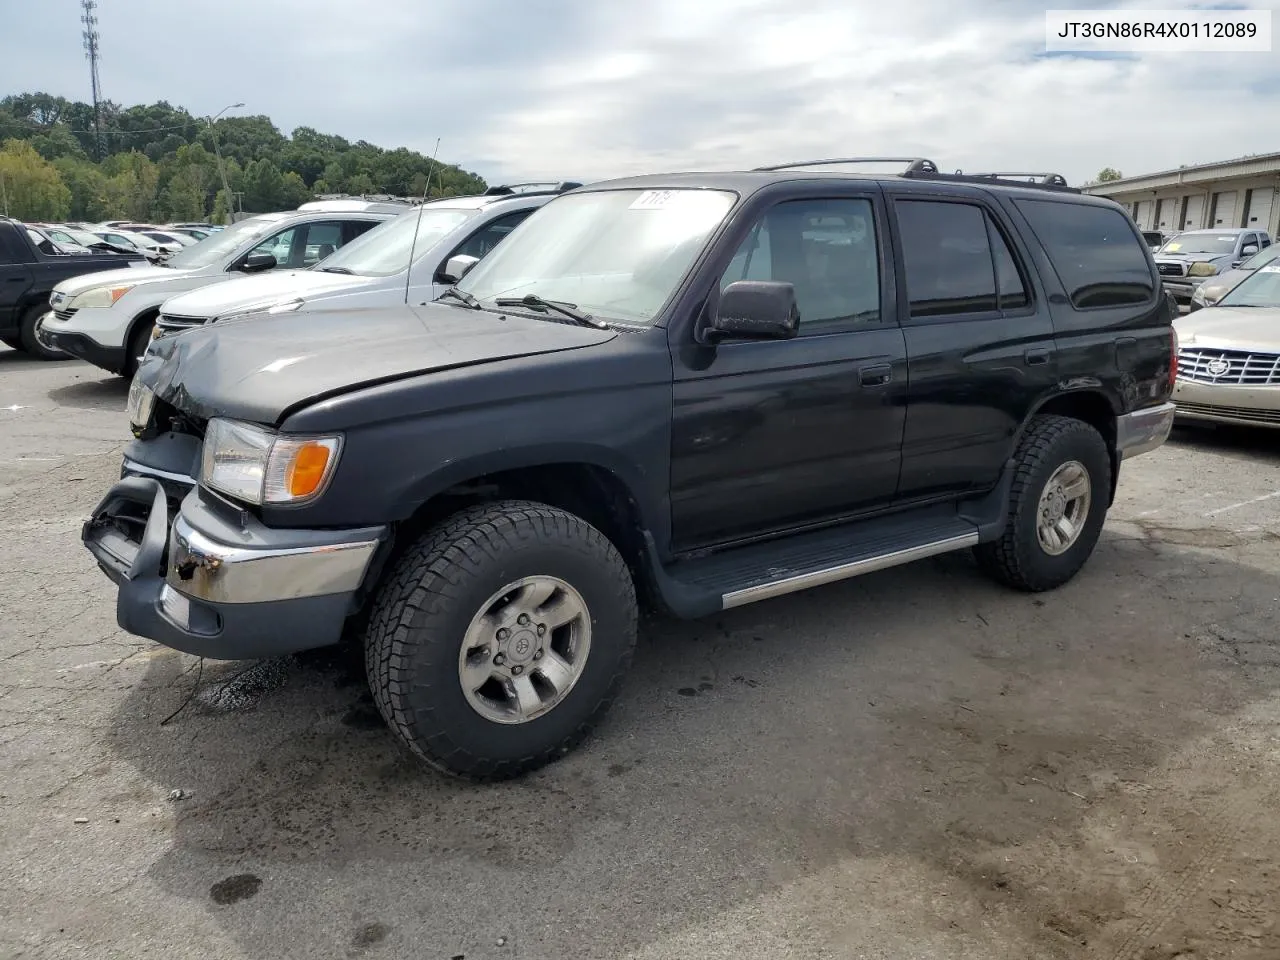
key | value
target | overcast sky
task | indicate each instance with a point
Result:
(586, 89)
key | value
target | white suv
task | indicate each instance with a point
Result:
(107, 318)
(442, 238)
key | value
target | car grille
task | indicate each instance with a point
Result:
(1236, 413)
(169, 323)
(1172, 269)
(65, 313)
(1229, 367)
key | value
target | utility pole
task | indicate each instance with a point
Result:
(222, 170)
(90, 21)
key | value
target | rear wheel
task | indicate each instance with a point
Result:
(27, 336)
(500, 639)
(1057, 506)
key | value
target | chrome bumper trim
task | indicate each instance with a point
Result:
(142, 470)
(205, 569)
(1143, 430)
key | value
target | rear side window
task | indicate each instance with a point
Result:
(1097, 255)
(956, 261)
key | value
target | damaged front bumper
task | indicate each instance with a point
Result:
(224, 587)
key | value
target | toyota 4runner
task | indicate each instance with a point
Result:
(703, 389)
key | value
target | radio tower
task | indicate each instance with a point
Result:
(90, 21)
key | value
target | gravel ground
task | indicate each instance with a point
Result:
(914, 764)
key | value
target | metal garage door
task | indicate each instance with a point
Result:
(1165, 212)
(1195, 213)
(1261, 201)
(1224, 209)
(1144, 214)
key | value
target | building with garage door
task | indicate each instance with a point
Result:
(1232, 193)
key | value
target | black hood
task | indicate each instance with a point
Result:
(259, 368)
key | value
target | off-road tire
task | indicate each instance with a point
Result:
(1017, 558)
(426, 601)
(27, 334)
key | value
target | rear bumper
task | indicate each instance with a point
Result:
(1143, 430)
(205, 585)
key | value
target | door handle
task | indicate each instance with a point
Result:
(1037, 356)
(875, 376)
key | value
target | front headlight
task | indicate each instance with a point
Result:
(259, 466)
(142, 401)
(99, 297)
(1202, 270)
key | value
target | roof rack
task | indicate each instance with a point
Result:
(914, 164)
(1040, 179)
(532, 187)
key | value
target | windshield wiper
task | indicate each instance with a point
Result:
(334, 270)
(461, 295)
(570, 310)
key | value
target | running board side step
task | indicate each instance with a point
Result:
(844, 571)
(762, 571)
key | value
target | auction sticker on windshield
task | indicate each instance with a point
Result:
(653, 200)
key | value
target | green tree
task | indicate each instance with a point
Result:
(184, 196)
(221, 209)
(1109, 173)
(295, 192)
(32, 188)
(263, 187)
(88, 189)
(140, 162)
(133, 183)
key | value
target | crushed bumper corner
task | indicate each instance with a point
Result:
(205, 586)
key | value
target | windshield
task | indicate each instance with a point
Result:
(220, 245)
(1217, 244)
(1259, 289)
(614, 253)
(384, 250)
(1262, 257)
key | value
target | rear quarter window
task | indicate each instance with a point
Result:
(1095, 251)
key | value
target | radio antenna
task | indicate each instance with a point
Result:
(426, 190)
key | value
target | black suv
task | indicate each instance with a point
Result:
(703, 389)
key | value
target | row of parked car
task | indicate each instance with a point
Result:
(155, 241)
(344, 253)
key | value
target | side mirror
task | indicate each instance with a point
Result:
(756, 310)
(457, 267)
(1236, 263)
(1248, 250)
(256, 262)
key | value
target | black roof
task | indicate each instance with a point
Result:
(746, 182)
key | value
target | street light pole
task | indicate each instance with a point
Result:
(222, 170)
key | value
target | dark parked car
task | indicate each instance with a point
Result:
(30, 265)
(705, 390)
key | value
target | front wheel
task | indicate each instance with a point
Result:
(1057, 505)
(31, 344)
(500, 639)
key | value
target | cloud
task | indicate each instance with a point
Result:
(586, 90)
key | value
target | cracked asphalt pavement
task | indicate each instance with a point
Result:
(914, 764)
